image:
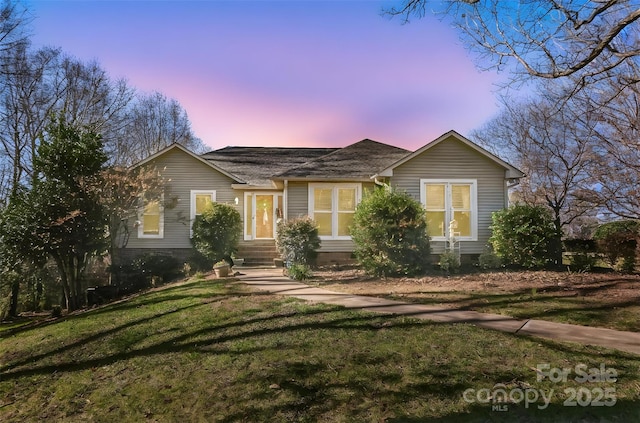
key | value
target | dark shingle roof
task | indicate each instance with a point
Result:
(260, 165)
(356, 161)
(257, 165)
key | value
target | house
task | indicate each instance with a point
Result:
(455, 180)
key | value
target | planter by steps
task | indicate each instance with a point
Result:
(222, 271)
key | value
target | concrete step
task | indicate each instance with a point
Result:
(258, 252)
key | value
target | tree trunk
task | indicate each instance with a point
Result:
(15, 290)
(556, 243)
(64, 279)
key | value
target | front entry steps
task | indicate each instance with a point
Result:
(259, 252)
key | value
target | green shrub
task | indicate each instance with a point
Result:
(157, 265)
(583, 261)
(139, 273)
(524, 235)
(299, 272)
(579, 245)
(56, 311)
(216, 232)
(298, 241)
(449, 262)
(489, 260)
(197, 262)
(390, 234)
(617, 241)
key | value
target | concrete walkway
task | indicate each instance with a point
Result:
(272, 281)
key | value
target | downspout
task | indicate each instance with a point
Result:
(510, 183)
(380, 183)
(285, 200)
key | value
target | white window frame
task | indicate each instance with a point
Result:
(448, 208)
(192, 205)
(160, 233)
(334, 205)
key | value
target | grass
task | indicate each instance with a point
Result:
(534, 304)
(213, 351)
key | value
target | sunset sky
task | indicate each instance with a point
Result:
(282, 73)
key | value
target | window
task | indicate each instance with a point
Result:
(152, 219)
(333, 206)
(199, 201)
(451, 206)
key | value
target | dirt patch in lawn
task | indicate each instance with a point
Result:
(608, 288)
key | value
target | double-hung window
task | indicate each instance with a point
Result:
(333, 206)
(200, 199)
(151, 223)
(451, 208)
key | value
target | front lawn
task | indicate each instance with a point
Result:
(208, 350)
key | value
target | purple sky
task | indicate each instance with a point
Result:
(282, 73)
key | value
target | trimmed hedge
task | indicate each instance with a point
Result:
(390, 233)
(216, 232)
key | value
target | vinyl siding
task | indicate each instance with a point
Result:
(453, 159)
(183, 173)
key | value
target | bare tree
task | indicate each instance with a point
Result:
(555, 151)
(14, 18)
(546, 38)
(157, 122)
(90, 98)
(40, 83)
(618, 134)
(29, 96)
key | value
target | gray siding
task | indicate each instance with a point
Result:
(183, 173)
(453, 159)
(297, 199)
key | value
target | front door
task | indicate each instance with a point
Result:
(262, 211)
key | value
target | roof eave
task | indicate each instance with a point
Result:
(322, 179)
(252, 187)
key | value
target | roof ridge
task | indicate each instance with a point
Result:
(353, 146)
(261, 147)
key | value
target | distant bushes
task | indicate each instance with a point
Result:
(141, 272)
(617, 242)
(524, 235)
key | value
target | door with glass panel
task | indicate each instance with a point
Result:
(262, 211)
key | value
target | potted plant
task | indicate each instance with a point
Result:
(221, 269)
(237, 261)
